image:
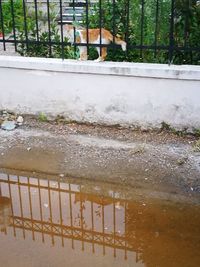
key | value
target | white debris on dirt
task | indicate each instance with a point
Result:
(9, 121)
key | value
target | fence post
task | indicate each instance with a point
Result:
(171, 35)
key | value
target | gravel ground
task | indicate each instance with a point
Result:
(153, 161)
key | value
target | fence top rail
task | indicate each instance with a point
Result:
(146, 70)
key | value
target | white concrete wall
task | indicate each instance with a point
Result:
(109, 93)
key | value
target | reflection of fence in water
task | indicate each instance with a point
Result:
(62, 210)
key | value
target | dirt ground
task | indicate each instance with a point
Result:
(156, 161)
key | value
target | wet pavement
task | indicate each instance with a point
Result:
(53, 221)
(78, 195)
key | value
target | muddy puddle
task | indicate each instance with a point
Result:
(67, 222)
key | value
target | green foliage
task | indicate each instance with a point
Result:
(42, 117)
(7, 17)
(38, 45)
(197, 132)
(33, 42)
(147, 37)
(155, 25)
(187, 31)
(129, 28)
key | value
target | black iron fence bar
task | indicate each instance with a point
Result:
(100, 26)
(142, 28)
(25, 23)
(2, 26)
(61, 30)
(74, 20)
(36, 19)
(127, 26)
(138, 47)
(13, 23)
(186, 23)
(114, 21)
(87, 26)
(156, 27)
(49, 27)
(171, 35)
(186, 27)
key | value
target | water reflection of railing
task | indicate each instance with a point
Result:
(59, 209)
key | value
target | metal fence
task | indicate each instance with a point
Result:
(154, 30)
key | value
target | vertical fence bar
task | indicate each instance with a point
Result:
(92, 215)
(30, 206)
(142, 29)
(61, 30)
(171, 35)
(51, 216)
(114, 223)
(25, 23)
(49, 27)
(186, 26)
(36, 19)
(2, 25)
(13, 22)
(21, 206)
(81, 218)
(127, 26)
(12, 210)
(74, 20)
(156, 28)
(114, 21)
(87, 28)
(103, 230)
(61, 216)
(71, 214)
(41, 214)
(125, 231)
(100, 26)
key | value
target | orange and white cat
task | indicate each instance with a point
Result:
(93, 38)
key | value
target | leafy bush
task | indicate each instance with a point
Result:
(115, 19)
(183, 12)
(187, 31)
(33, 41)
(7, 17)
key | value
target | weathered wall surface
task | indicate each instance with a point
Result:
(110, 93)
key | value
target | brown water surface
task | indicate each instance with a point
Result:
(55, 223)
